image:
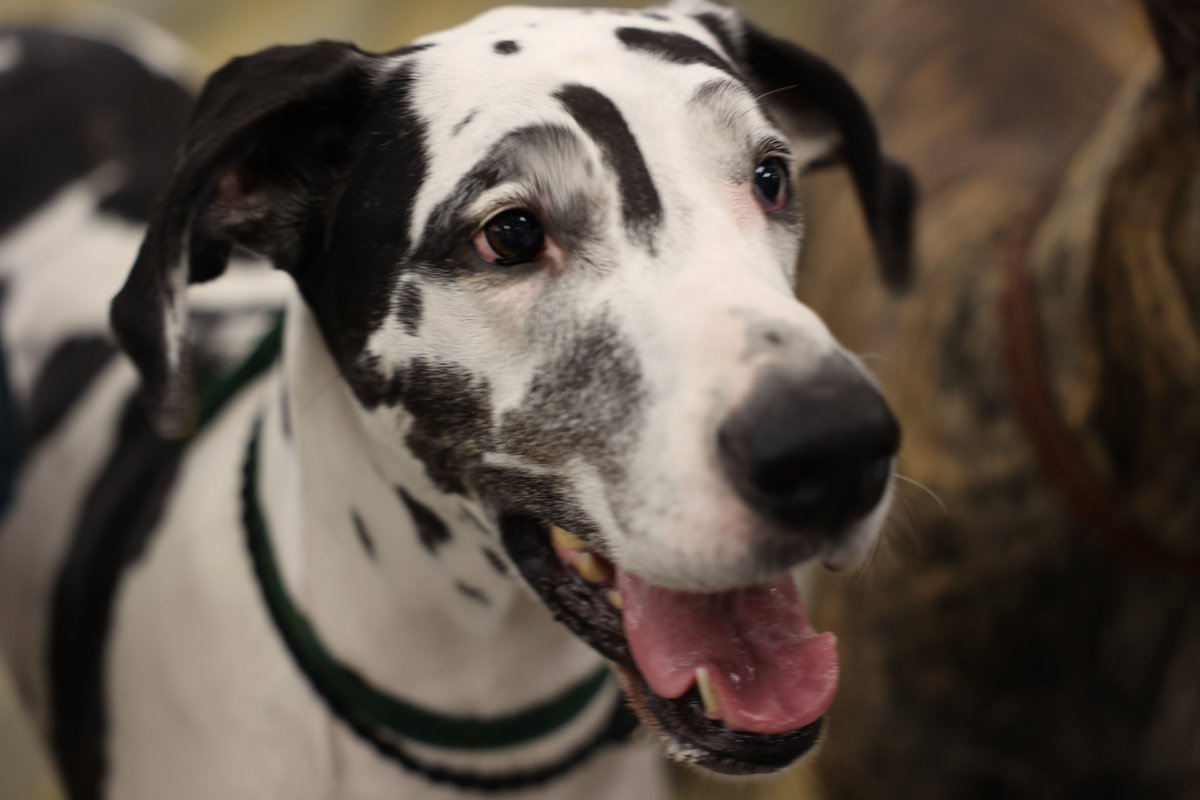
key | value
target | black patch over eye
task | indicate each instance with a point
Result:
(511, 237)
(771, 184)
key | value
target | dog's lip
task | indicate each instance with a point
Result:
(690, 735)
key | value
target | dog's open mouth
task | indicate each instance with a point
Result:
(736, 682)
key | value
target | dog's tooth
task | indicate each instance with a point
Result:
(804, 578)
(589, 568)
(565, 540)
(708, 696)
(616, 600)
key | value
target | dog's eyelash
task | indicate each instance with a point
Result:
(776, 148)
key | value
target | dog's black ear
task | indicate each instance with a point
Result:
(811, 97)
(261, 161)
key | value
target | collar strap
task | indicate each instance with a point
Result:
(1087, 496)
(386, 712)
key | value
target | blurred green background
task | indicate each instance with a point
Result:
(219, 29)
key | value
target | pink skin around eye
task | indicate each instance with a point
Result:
(778, 203)
(747, 208)
(484, 249)
(551, 255)
(767, 204)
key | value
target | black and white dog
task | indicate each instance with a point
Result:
(541, 399)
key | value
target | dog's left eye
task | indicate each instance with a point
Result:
(511, 237)
(771, 184)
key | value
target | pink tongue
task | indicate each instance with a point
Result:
(771, 671)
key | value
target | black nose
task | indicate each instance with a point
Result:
(814, 453)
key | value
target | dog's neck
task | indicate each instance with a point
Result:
(1118, 281)
(403, 583)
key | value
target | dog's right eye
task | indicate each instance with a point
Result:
(511, 237)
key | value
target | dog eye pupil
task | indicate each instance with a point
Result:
(770, 184)
(515, 236)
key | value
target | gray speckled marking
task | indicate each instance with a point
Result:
(409, 306)
(586, 402)
(764, 335)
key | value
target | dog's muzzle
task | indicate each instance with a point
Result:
(736, 680)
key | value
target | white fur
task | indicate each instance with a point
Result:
(204, 700)
(715, 257)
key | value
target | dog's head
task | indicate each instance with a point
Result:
(552, 253)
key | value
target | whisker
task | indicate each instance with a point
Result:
(776, 91)
(878, 358)
(860, 573)
(902, 521)
(925, 489)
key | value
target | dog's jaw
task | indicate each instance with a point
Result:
(583, 591)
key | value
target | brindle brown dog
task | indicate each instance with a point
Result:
(1040, 636)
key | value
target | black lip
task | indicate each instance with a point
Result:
(691, 734)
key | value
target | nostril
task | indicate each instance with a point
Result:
(787, 476)
(821, 492)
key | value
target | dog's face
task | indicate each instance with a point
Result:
(552, 254)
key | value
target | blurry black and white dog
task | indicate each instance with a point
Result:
(529, 392)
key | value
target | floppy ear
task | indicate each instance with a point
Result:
(260, 163)
(813, 99)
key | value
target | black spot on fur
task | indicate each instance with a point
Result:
(71, 104)
(285, 413)
(64, 379)
(586, 402)
(349, 289)
(432, 532)
(674, 48)
(409, 306)
(475, 594)
(716, 26)
(506, 47)
(600, 119)
(115, 523)
(364, 536)
(451, 420)
(408, 50)
(496, 562)
(464, 122)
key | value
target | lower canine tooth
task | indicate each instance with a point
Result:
(566, 540)
(589, 568)
(616, 600)
(709, 697)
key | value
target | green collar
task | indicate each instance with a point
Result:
(381, 720)
(352, 696)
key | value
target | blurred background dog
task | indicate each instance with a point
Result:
(1031, 627)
